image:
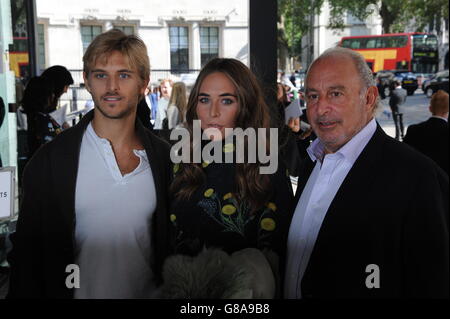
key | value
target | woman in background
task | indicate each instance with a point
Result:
(38, 101)
(177, 105)
(60, 79)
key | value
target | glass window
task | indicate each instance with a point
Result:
(18, 50)
(128, 30)
(351, 43)
(209, 43)
(371, 43)
(425, 42)
(399, 42)
(179, 48)
(88, 33)
(378, 42)
(41, 47)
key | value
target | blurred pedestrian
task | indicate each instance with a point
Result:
(165, 89)
(61, 80)
(176, 111)
(397, 98)
(293, 79)
(38, 102)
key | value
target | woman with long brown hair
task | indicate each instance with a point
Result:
(177, 106)
(230, 206)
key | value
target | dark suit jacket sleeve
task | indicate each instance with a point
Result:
(426, 238)
(25, 258)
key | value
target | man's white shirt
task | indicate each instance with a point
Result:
(113, 218)
(324, 182)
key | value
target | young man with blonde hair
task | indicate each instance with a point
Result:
(92, 223)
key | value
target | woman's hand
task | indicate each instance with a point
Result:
(294, 124)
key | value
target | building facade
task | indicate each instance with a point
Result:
(322, 38)
(181, 35)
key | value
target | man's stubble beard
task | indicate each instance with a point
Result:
(123, 114)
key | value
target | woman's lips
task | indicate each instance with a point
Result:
(217, 126)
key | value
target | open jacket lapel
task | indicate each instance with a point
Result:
(65, 163)
(353, 192)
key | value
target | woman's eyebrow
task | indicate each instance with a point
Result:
(228, 94)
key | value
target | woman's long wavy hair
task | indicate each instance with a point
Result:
(253, 113)
(178, 98)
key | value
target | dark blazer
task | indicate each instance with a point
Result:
(397, 97)
(143, 114)
(391, 210)
(430, 138)
(44, 244)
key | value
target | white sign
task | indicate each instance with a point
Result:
(7, 192)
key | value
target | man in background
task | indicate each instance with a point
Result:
(431, 137)
(165, 89)
(397, 98)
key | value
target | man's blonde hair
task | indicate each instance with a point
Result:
(130, 46)
(439, 103)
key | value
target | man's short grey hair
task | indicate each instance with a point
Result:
(364, 72)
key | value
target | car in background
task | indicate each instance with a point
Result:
(439, 81)
(385, 81)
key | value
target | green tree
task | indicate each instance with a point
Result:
(396, 15)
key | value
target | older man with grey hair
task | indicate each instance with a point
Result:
(372, 213)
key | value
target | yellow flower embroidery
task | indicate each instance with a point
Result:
(209, 192)
(228, 210)
(173, 218)
(205, 164)
(176, 167)
(268, 224)
(227, 148)
(227, 196)
(271, 206)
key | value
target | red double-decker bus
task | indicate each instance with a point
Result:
(413, 52)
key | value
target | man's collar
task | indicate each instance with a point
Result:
(349, 150)
(440, 117)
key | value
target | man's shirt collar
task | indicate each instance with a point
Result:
(351, 150)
